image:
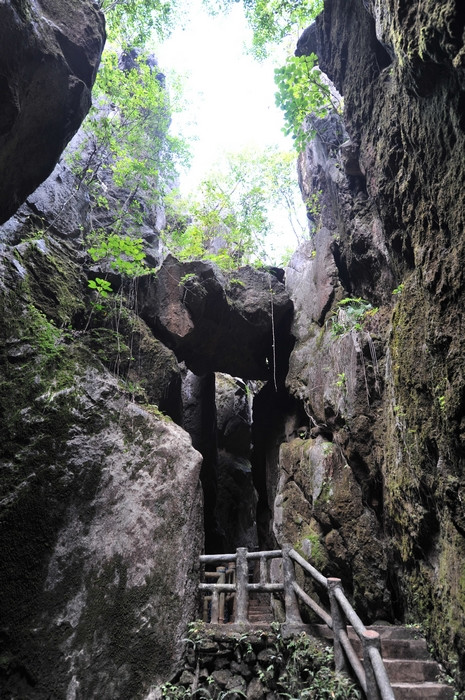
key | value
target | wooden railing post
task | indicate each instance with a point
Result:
(214, 607)
(338, 624)
(221, 579)
(290, 598)
(242, 579)
(370, 639)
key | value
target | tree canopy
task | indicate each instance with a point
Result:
(230, 216)
(272, 21)
(127, 140)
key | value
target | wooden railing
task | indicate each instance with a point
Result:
(230, 584)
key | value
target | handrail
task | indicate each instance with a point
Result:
(371, 675)
(354, 660)
(313, 605)
(350, 613)
(381, 675)
(309, 568)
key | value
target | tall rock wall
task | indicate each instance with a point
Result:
(379, 296)
(49, 55)
(101, 515)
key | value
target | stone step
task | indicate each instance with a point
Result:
(259, 610)
(394, 631)
(398, 648)
(423, 691)
(411, 670)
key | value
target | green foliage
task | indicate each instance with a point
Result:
(188, 277)
(123, 253)
(313, 204)
(227, 222)
(294, 667)
(301, 92)
(341, 382)
(45, 336)
(230, 216)
(127, 144)
(101, 286)
(308, 669)
(398, 290)
(350, 316)
(272, 21)
(131, 22)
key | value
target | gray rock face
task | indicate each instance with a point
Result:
(213, 324)
(312, 280)
(101, 510)
(397, 207)
(49, 57)
(104, 565)
(57, 205)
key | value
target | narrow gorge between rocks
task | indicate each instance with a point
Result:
(203, 410)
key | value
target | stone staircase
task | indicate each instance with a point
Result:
(414, 675)
(259, 611)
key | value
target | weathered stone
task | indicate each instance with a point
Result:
(312, 280)
(236, 683)
(98, 559)
(223, 677)
(211, 325)
(401, 72)
(57, 206)
(100, 552)
(50, 52)
(242, 669)
(186, 678)
(208, 646)
(255, 689)
(266, 655)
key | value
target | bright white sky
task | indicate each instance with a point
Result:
(230, 95)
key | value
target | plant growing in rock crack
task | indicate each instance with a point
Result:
(123, 254)
(341, 382)
(350, 315)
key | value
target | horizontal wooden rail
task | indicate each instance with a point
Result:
(265, 587)
(217, 558)
(220, 558)
(267, 554)
(309, 568)
(217, 586)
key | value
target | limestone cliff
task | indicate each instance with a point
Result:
(379, 295)
(50, 52)
(353, 449)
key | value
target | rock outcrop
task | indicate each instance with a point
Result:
(101, 500)
(216, 322)
(50, 52)
(386, 387)
(101, 520)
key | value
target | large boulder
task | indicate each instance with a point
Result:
(100, 539)
(49, 56)
(214, 322)
(101, 509)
